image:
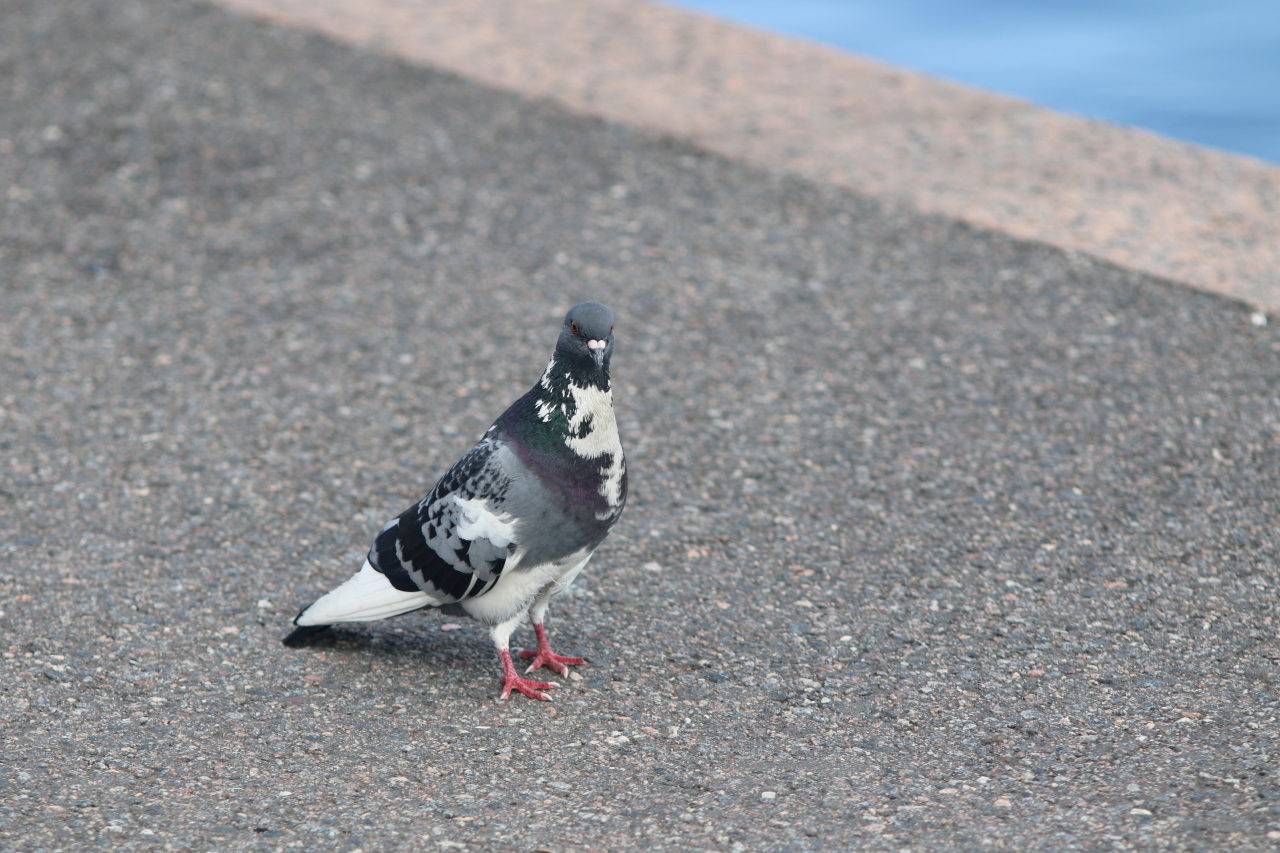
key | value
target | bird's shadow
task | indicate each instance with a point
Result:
(406, 642)
(415, 643)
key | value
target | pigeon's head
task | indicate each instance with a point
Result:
(588, 333)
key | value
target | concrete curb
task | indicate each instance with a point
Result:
(1197, 216)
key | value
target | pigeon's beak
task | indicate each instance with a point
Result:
(597, 351)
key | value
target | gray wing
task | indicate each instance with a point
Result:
(455, 542)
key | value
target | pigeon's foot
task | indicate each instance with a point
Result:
(512, 681)
(545, 657)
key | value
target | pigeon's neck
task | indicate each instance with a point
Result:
(565, 433)
(569, 411)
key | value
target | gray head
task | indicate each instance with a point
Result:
(587, 332)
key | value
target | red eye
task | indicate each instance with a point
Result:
(573, 327)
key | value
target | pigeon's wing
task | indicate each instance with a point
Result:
(455, 542)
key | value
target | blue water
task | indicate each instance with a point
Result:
(1205, 71)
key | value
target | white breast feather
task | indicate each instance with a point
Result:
(514, 591)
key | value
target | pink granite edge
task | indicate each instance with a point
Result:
(1194, 215)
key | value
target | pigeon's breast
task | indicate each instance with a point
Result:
(578, 486)
(560, 506)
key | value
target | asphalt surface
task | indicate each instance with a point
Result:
(937, 540)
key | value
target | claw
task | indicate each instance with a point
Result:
(545, 657)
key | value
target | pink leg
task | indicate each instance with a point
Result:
(512, 681)
(545, 657)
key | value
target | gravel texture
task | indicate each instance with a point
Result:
(937, 540)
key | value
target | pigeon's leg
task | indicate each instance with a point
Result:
(543, 656)
(501, 635)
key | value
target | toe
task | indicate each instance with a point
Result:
(532, 689)
(533, 694)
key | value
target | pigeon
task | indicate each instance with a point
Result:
(514, 521)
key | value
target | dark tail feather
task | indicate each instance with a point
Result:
(300, 635)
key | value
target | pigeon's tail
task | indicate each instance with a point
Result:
(366, 596)
(299, 636)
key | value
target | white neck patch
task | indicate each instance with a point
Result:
(601, 441)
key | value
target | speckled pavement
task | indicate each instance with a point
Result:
(1146, 202)
(938, 541)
